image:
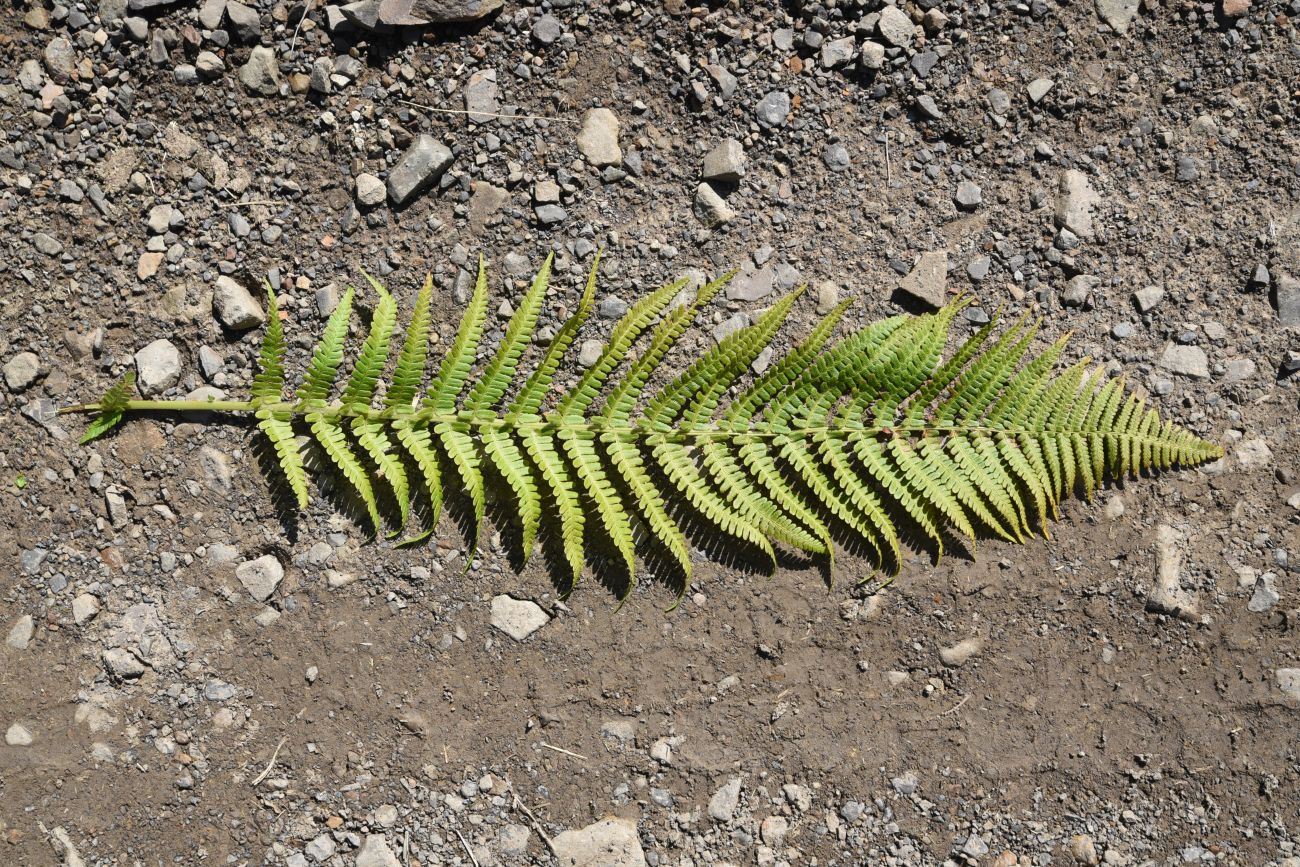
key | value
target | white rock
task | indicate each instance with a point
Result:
(711, 209)
(611, 842)
(725, 163)
(518, 618)
(1168, 595)
(18, 736)
(320, 848)
(873, 55)
(1075, 202)
(157, 367)
(370, 190)
(1189, 361)
(1253, 455)
(20, 634)
(896, 28)
(928, 280)
(22, 370)
(260, 577)
(375, 853)
(598, 141)
(1288, 680)
(122, 663)
(1119, 14)
(234, 306)
(84, 608)
(723, 804)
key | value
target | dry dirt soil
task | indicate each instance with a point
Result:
(368, 712)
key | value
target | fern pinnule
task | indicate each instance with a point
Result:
(874, 436)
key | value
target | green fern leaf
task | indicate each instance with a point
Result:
(875, 435)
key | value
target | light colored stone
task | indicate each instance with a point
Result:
(1288, 680)
(261, 74)
(20, 634)
(376, 853)
(896, 27)
(22, 370)
(1083, 850)
(873, 55)
(1189, 361)
(122, 663)
(1253, 454)
(725, 163)
(157, 367)
(928, 280)
(711, 209)
(370, 190)
(1148, 298)
(1075, 201)
(1167, 595)
(84, 608)
(1039, 88)
(17, 735)
(261, 576)
(234, 306)
(773, 830)
(611, 842)
(723, 804)
(960, 653)
(598, 141)
(518, 618)
(1119, 14)
(482, 96)
(828, 297)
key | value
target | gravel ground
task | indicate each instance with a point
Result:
(190, 677)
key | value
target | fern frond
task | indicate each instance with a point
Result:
(874, 435)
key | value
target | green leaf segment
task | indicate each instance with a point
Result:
(876, 437)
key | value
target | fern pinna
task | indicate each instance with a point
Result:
(874, 436)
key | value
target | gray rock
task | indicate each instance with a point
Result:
(209, 65)
(975, 848)
(1119, 14)
(122, 663)
(598, 140)
(245, 23)
(84, 608)
(836, 157)
(261, 74)
(590, 352)
(968, 196)
(22, 370)
(319, 79)
(261, 576)
(421, 166)
(1189, 361)
(828, 297)
(999, 101)
(1148, 298)
(928, 107)
(611, 842)
(450, 11)
(873, 55)
(17, 735)
(725, 163)
(46, 244)
(1286, 299)
(723, 804)
(837, 52)
(376, 853)
(1187, 169)
(978, 268)
(549, 215)
(895, 27)
(185, 73)
(711, 209)
(1075, 202)
(1078, 291)
(60, 60)
(370, 190)
(157, 367)
(482, 96)
(1288, 680)
(752, 284)
(518, 618)
(1265, 595)
(773, 108)
(730, 326)
(234, 306)
(906, 783)
(927, 282)
(1039, 88)
(320, 849)
(547, 30)
(20, 634)
(210, 13)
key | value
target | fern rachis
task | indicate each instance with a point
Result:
(862, 435)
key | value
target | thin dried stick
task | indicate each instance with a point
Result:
(537, 826)
(566, 752)
(465, 843)
(267, 770)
